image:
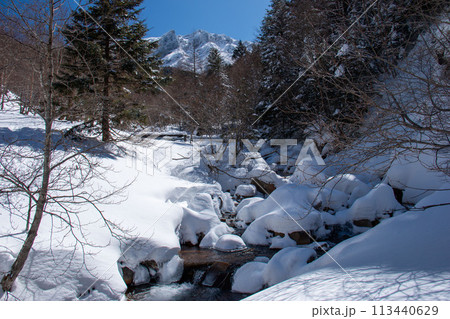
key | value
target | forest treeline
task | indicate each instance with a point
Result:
(314, 66)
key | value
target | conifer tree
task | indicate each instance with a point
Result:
(106, 56)
(279, 69)
(240, 51)
(215, 61)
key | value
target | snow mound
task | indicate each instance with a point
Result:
(403, 258)
(245, 191)
(248, 201)
(287, 263)
(308, 173)
(288, 209)
(203, 204)
(195, 225)
(333, 199)
(377, 204)
(259, 170)
(249, 278)
(211, 238)
(413, 177)
(348, 184)
(229, 243)
(282, 242)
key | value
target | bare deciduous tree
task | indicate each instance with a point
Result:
(46, 174)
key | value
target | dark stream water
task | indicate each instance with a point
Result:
(197, 266)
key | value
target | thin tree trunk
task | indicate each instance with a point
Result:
(3, 90)
(8, 279)
(106, 135)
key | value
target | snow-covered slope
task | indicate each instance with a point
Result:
(178, 51)
(404, 258)
(155, 212)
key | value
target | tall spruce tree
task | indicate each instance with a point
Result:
(279, 68)
(240, 51)
(215, 61)
(99, 66)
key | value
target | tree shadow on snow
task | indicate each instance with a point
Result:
(34, 138)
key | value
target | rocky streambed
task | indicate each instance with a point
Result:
(207, 275)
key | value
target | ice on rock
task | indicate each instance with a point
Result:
(171, 271)
(249, 277)
(227, 203)
(229, 242)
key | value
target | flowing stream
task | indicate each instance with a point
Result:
(207, 276)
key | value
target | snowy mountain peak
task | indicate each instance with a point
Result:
(178, 51)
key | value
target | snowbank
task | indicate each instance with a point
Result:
(403, 258)
(152, 214)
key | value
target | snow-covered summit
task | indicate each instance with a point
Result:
(178, 51)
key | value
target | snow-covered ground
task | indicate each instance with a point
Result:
(397, 214)
(156, 212)
(403, 258)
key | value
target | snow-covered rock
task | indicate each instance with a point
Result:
(413, 177)
(247, 201)
(195, 224)
(378, 203)
(333, 199)
(309, 173)
(288, 209)
(403, 258)
(245, 191)
(349, 184)
(249, 278)
(229, 242)
(286, 264)
(211, 238)
(203, 204)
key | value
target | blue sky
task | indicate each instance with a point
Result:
(239, 19)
